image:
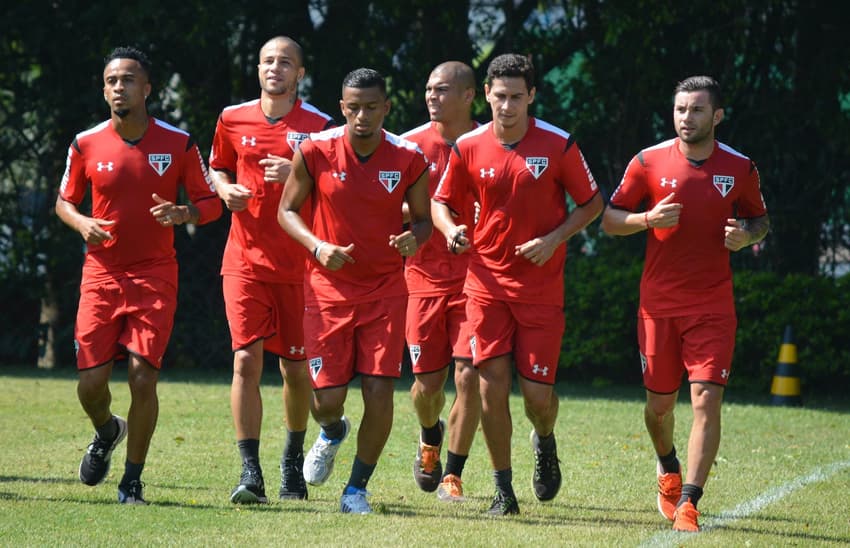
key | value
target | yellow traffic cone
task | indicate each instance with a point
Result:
(786, 381)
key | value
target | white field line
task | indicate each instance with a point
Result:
(750, 507)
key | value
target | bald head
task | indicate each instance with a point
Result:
(459, 73)
(287, 43)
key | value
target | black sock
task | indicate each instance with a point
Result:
(454, 464)
(108, 430)
(132, 472)
(432, 435)
(669, 463)
(360, 474)
(690, 492)
(334, 431)
(294, 444)
(546, 443)
(249, 450)
(504, 481)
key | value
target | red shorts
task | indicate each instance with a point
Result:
(269, 311)
(530, 332)
(701, 345)
(437, 331)
(344, 340)
(124, 315)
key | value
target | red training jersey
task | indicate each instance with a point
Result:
(257, 247)
(123, 176)
(687, 266)
(434, 269)
(359, 202)
(521, 191)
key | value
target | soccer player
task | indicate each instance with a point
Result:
(263, 268)
(357, 176)
(436, 330)
(702, 200)
(519, 169)
(133, 164)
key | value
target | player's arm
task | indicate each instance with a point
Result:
(744, 233)
(419, 213)
(93, 231)
(620, 222)
(203, 206)
(539, 250)
(234, 195)
(298, 187)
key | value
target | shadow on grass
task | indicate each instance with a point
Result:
(475, 508)
(271, 376)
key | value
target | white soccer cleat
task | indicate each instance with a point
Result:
(319, 462)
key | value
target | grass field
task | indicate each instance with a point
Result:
(781, 478)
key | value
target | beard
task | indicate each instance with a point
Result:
(122, 112)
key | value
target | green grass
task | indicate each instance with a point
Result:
(607, 497)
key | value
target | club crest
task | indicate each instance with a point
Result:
(537, 165)
(294, 139)
(724, 184)
(315, 367)
(159, 162)
(390, 179)
(415, 352)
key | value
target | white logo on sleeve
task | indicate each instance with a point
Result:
(724, 184)
(537, 165)
(159, 162)
(390, 179)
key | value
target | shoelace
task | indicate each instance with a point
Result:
(546, 464)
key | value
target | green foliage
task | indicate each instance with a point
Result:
(818, 311)
(605, 73)
(600, 305)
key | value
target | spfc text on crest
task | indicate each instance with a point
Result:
(390, 179)
(724, 184)
(159, 162)
(537, 165)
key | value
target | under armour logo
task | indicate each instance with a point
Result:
(340, 175)
(665, 182)
(724, 373)
(473, 343)
(488, 172)
(296, 350)
(108, 166)
(537, 370)
(249, 141)
(433, 166)
(642, 363)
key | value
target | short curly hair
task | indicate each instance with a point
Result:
(127, 52)
(511, 65)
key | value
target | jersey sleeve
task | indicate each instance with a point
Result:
(199, 186)
(750, 203)
(74, 181)
(222, 156)
(632, 188)
(576, 177)
(418, 165)
(453, 187)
